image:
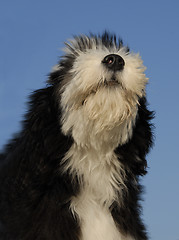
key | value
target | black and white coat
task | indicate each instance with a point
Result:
(72, 173)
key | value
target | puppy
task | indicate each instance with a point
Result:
(72, 173)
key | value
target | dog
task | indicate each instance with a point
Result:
(73, 171)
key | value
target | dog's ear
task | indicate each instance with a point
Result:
(42, 124)
(133, 153)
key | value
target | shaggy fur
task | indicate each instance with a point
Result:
(72, 173)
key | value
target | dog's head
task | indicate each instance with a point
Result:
(100, 80)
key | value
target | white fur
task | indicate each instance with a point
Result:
(101, 120)
(99, 117)
(96, 222)
(101, 176)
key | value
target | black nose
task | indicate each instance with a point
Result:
(114, 62)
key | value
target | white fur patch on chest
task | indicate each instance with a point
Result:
(97, 223)
(101, 178)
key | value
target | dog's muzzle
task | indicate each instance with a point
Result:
(114, 62)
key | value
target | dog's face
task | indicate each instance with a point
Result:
(102, 83)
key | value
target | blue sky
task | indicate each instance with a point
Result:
(32, 33)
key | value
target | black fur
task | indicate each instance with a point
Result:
(35, 194)
(132, 155)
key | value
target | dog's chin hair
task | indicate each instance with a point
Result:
(104, 120)
(109, 108)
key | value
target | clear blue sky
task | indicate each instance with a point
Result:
(32, 33)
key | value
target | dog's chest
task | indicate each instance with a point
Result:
(96, 222)
(101, 181)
